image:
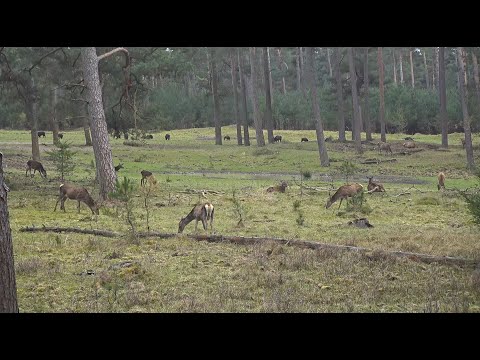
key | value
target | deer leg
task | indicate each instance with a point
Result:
(78, 206)
(196, 224)
(62, 204)
(340, 203)
(204, 223)
(60, 198)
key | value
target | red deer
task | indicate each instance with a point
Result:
(304, 140)
(373, 186)
(384, 147)
(441, 181)
(60, 135)
(409, 144)
(118, 167)
(200, 212)
(147, 175)
(344, 192)
(36, 166)
(278, 188)
(226, 137)
(41, 133)
(277, 138)
(463, 143)
(76, 193)
(167, 137)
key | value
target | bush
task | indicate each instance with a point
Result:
(473, 201)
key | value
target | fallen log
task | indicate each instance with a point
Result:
(105, 233)
(426, 258)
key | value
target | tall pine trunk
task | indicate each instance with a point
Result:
(366, 110)
(312, 76)
(216, 102)
(101, 147)
(233, 62)
(382, 95)
(32, 116)
(86, 127)
(280, 67)
(476, 77)
(8, 286)
(356, 108)
(256, 112)
(268, 96)
(54, 116)
(330, 70)
(243, 102)
(394, 67)
(463, 100)
(338, 81)
(442, 88)
(427, 77)
(412, 75)
(400, 63)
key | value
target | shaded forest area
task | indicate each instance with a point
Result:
(171, 88)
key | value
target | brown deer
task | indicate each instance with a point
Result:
(147, 175)
(36, 166)
(200, 212)
(118, 167)
(441, 181)
(278, 188)
(76, 193)
(344, 192)
(374, 186)
(384, 147)
(409, 144)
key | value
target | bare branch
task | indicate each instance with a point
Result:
(125, 51)
(39, 61)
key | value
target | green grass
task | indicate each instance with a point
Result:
(182, 275)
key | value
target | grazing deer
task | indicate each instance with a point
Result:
(329, 139)
(41, 133)
(409, 144)
(277, 138)
(344, 192)
(36, 166)
(441, 181)
(304, 140)
(147, 175)
(373, 186)
(278, 188)
(203, 211)
(118, 167)
(226, 137)
(167, 137)
(76, 193)
(408, 138)
(384, 147)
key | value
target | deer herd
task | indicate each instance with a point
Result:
(204, 211)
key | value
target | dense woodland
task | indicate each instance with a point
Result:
(169, 88)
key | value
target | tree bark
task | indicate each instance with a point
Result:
(32, 115)
(243, 88)
(86, 127)
(443, 96)
(356, 115)
(366, 110)
(436, 69)
(233, 62)
(312, 76)
(268, 96)
(329, 63)
(8, 286)
(394, 67)
(476, 76)
(256, 114)
(463, 99)
(270, 77)
(53, 118)
(400, 61)
(340, 112)
(101, 146)
(280, 66)
(412, 75)
(382, 96)
(427, 77)
(297, 63)
(216, 102)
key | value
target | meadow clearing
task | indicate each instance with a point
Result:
(68, 272)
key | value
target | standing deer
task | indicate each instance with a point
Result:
(36, 166)
(203, 211)
(147, 175)
(278, 188)
(344, 192)
(76, 193)
(384, 147)
(373, 186)
(118, 167)
(441, 181)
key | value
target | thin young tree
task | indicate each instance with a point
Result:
(382, 95)
(233, 63)
(463, 100)
(366, 110)
(243, 101)
(312, 76)
(412, 74)
(442, 88)
(356, 109)
(216, 102)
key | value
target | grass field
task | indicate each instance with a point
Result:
(183, 275)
